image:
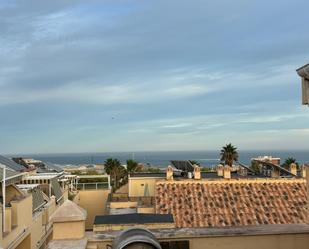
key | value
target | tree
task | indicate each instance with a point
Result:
(288, 162)
(114, 168)
(205, 169)
(229, 154)
(132, 166)
(255, 167)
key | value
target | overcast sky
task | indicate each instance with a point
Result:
(97, 76)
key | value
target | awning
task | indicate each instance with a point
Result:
(56, 189)
(38, 200)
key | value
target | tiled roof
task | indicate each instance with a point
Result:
(232, 203)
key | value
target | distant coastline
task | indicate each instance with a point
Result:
(161, 158)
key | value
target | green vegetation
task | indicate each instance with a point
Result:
(133, 166)
(205, 169)
(286, 164)
(117, 172)
(92, 180)
(229, 154)
(88, 172)
(150, 169)
(255, 167)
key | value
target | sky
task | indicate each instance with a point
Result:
(99, 76)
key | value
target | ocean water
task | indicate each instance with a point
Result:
(161, 159)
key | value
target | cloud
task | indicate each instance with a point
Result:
(96, 94)
(162, 69)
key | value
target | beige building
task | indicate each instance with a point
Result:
(212, 213)
(27, 212)
(220, 209)
(143, 184)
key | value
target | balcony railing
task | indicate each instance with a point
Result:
(92, 185)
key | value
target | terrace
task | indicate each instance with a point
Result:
(121, 203)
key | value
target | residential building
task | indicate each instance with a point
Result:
(221, 212)
(303, 72)
(25, 219)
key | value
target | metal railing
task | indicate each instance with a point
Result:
(92, 185)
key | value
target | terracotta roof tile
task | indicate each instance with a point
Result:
(232, 203)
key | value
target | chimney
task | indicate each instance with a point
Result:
(303, 171)
(169, 173)
(69, 221)
(197, 172)
(227, 172)
(220, 170)
(293, 168)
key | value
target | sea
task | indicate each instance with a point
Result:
(162, 159)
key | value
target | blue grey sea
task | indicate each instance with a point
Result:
(161, 159)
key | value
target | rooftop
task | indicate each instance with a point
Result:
(89, 176)
(303, 71)
(69, 211)
(68, 244)
(40, 177)
(145, 174)
(183, 165)
(10, 176)
(27, 186)
(283, 171)
(211, 232)
(11, 164)
(53, 167)
(223, 203)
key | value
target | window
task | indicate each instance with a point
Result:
(182, 244)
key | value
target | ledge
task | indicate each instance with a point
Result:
(68, 244)
(211, 232)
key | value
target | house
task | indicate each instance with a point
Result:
(303, 72)
(25, 219)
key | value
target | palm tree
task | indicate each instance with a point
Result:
(288, 162)
(229, 154)
(114, 168)
(132, 166)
